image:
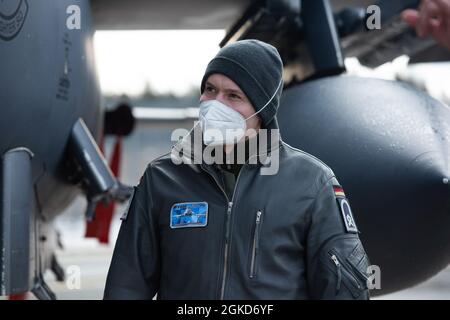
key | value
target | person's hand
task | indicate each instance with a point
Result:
(432, 18)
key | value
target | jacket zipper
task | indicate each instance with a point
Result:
(227, 228)
(255, 245)
(339, 266)
(227, 237)
(225, 259)
(339, 272)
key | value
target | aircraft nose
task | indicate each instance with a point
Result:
(389, 146)
(427, 180)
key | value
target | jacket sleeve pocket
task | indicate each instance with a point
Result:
(343, 270)
(336, 260)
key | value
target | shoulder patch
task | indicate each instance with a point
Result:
(125, 213)
(189, 215)
(344, 207)
(347, 216)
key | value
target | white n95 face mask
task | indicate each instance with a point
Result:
(221, 124)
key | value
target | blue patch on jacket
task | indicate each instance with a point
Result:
(189, 215)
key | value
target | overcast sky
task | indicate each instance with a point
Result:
(173, 61)
(170, 61)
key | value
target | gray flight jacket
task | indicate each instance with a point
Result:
(290, 235)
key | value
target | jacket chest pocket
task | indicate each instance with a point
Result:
(254, 245)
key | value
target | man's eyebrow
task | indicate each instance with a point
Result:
(234, 91)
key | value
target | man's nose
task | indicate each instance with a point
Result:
(221, 98)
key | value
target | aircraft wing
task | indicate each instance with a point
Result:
(281, 23)
(168, 14)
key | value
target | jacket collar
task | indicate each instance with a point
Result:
(190, 148)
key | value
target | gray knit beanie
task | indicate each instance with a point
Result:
(256, 67)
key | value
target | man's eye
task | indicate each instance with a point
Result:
(209, 89)
(234, 96)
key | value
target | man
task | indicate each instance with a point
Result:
(276, 234)
(432, 18)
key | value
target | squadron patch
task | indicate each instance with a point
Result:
(346, 211)
(189, 215)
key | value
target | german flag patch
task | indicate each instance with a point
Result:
(339, 191)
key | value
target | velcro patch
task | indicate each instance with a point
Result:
(347, 215)
(189, 215)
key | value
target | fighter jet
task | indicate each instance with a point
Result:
(387, 142)
(51, 118)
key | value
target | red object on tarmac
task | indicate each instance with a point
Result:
(22, 296)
